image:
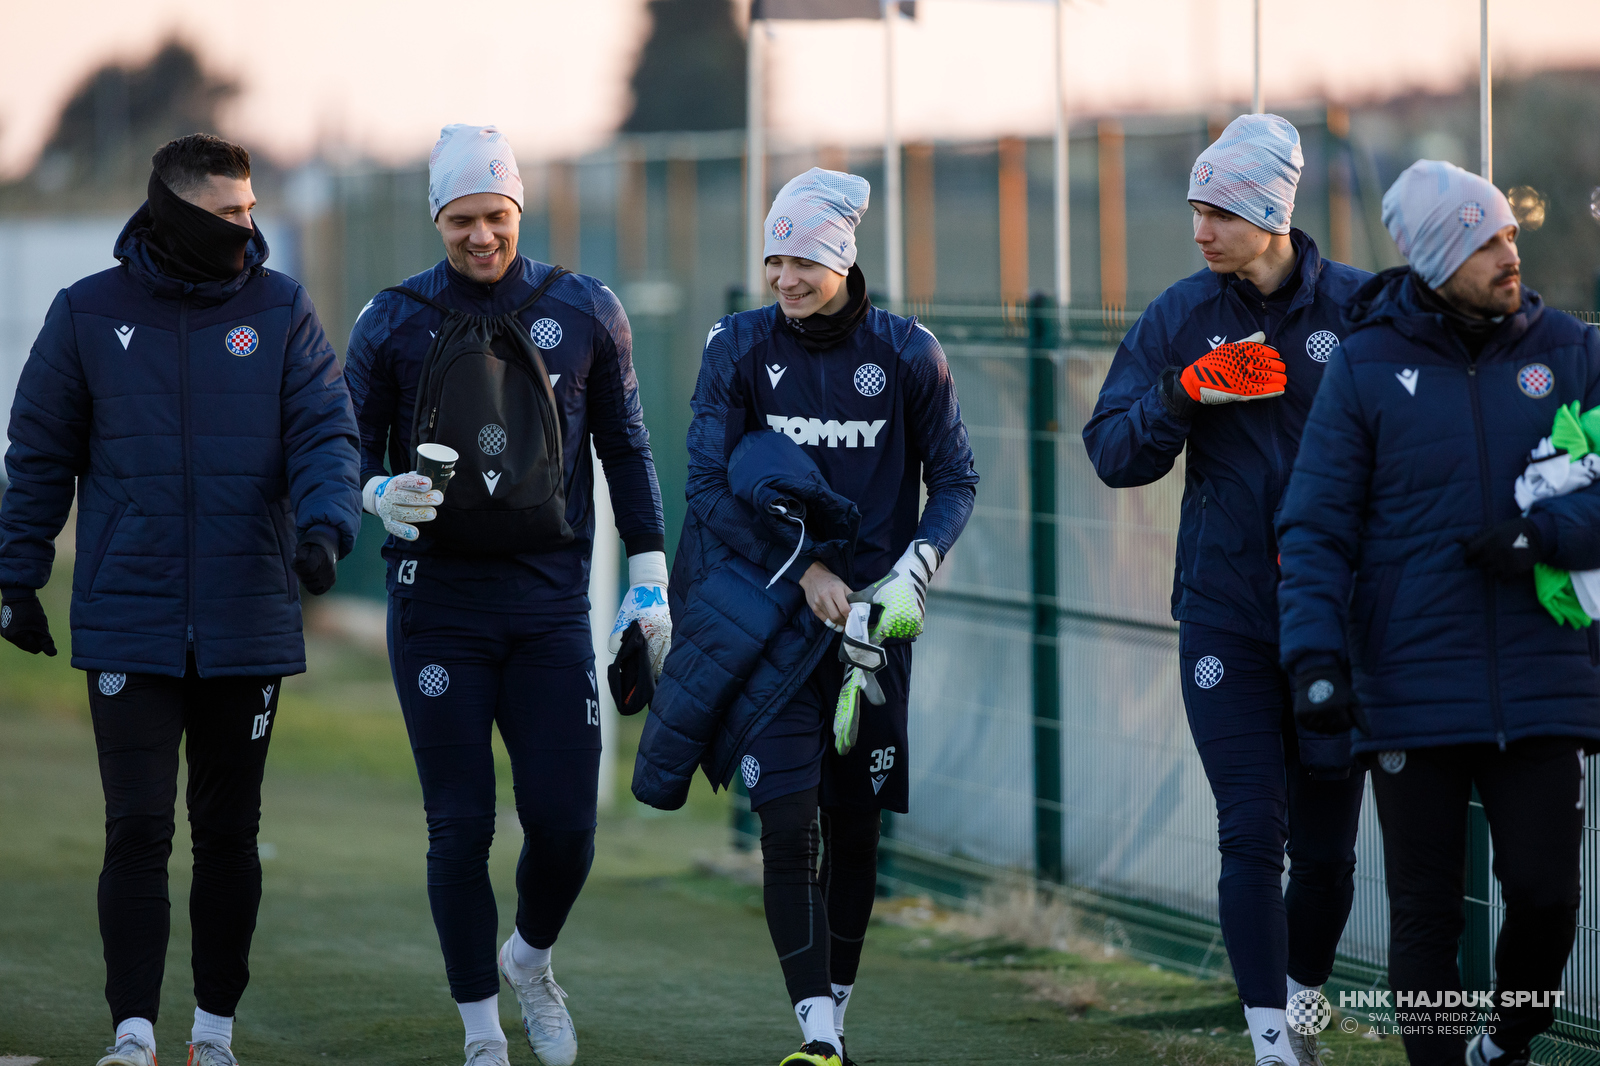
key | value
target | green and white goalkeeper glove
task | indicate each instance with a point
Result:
(865, 659)
(903, 593)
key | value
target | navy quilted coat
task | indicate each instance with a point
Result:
(1412, 446)
(740, 649)
(208, 428)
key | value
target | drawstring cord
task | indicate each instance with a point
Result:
(779, 508)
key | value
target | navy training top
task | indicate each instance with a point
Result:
(586, 344)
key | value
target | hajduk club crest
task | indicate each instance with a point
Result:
(242, 340)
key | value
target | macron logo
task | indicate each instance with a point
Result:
(816, 432)
(1408, 378)
(491, 479)
(1216, 342)
(124, 334)
(775, 374)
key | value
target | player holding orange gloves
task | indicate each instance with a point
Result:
(1259, 324)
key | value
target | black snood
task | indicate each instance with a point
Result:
(193, 244)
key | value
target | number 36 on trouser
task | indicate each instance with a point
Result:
(795, 751)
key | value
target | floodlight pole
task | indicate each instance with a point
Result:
(1063, 172)
(1485, 97)
(896, 260)
(1255, 92)
(755, 162)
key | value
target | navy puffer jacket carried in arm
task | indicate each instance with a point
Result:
(1412, 446)
(1239, 455)
(207, 430)
(742, 642)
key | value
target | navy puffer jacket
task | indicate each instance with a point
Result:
(207, 430)
(742, 643)
(1411, 447)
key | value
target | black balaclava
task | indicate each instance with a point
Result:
(192, 243)
(819, 331)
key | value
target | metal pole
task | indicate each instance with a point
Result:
(1255, 92)
(896, 260)
(755, 281)
(1485, 101)
(1063, 172)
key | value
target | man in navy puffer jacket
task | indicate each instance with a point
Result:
(1166, 392)
(190, 398)
(1407, 563)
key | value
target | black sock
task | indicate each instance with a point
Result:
(797, 914)
(849, 883)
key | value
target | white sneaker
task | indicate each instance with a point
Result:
(488, 1053)
(129, 1051)
(544, 1017)
(210, 1053)
(1308, 1050)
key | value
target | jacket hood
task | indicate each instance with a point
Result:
(1387, 299)
(134, 251)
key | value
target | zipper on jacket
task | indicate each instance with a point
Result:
(1492, 599)
(188, 468)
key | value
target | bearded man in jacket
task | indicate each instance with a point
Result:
(1409, 605)
(1222, 368)
(191, 402)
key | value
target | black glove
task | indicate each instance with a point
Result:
(1506, 549)
(633, 684)
(23, 623)
(315, 561)
(1323, 699)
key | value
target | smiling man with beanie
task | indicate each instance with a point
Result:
(1223, 366)
(1409, 605)
(190, 401)
(488, 572)
(856, 405)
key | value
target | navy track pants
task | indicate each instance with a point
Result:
(460, 673)
(1241, 713)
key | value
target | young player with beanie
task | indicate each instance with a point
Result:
(862, 401)
(190, 402)
(489, 627)
(1437, 649)
(1224, 365)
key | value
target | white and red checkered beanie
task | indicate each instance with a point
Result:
(471, 159)
(1251, 171)
(1439, 214)
(815, 217)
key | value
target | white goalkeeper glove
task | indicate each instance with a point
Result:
(402, 500)
(646, 603)
(903, 593)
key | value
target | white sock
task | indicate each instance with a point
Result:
(841, 1000)
(1295, 987)
(139, 1027)
(816, 1020)
(212, 1027)
(1267, 1032)
(524, 956)
(482, 1019)
(1490, 1049)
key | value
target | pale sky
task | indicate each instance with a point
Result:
(382, 77)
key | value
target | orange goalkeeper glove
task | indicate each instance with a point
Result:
(1241, 370)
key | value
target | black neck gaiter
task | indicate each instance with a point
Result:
(191, 242)
(819, 331)
(1473, 332)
